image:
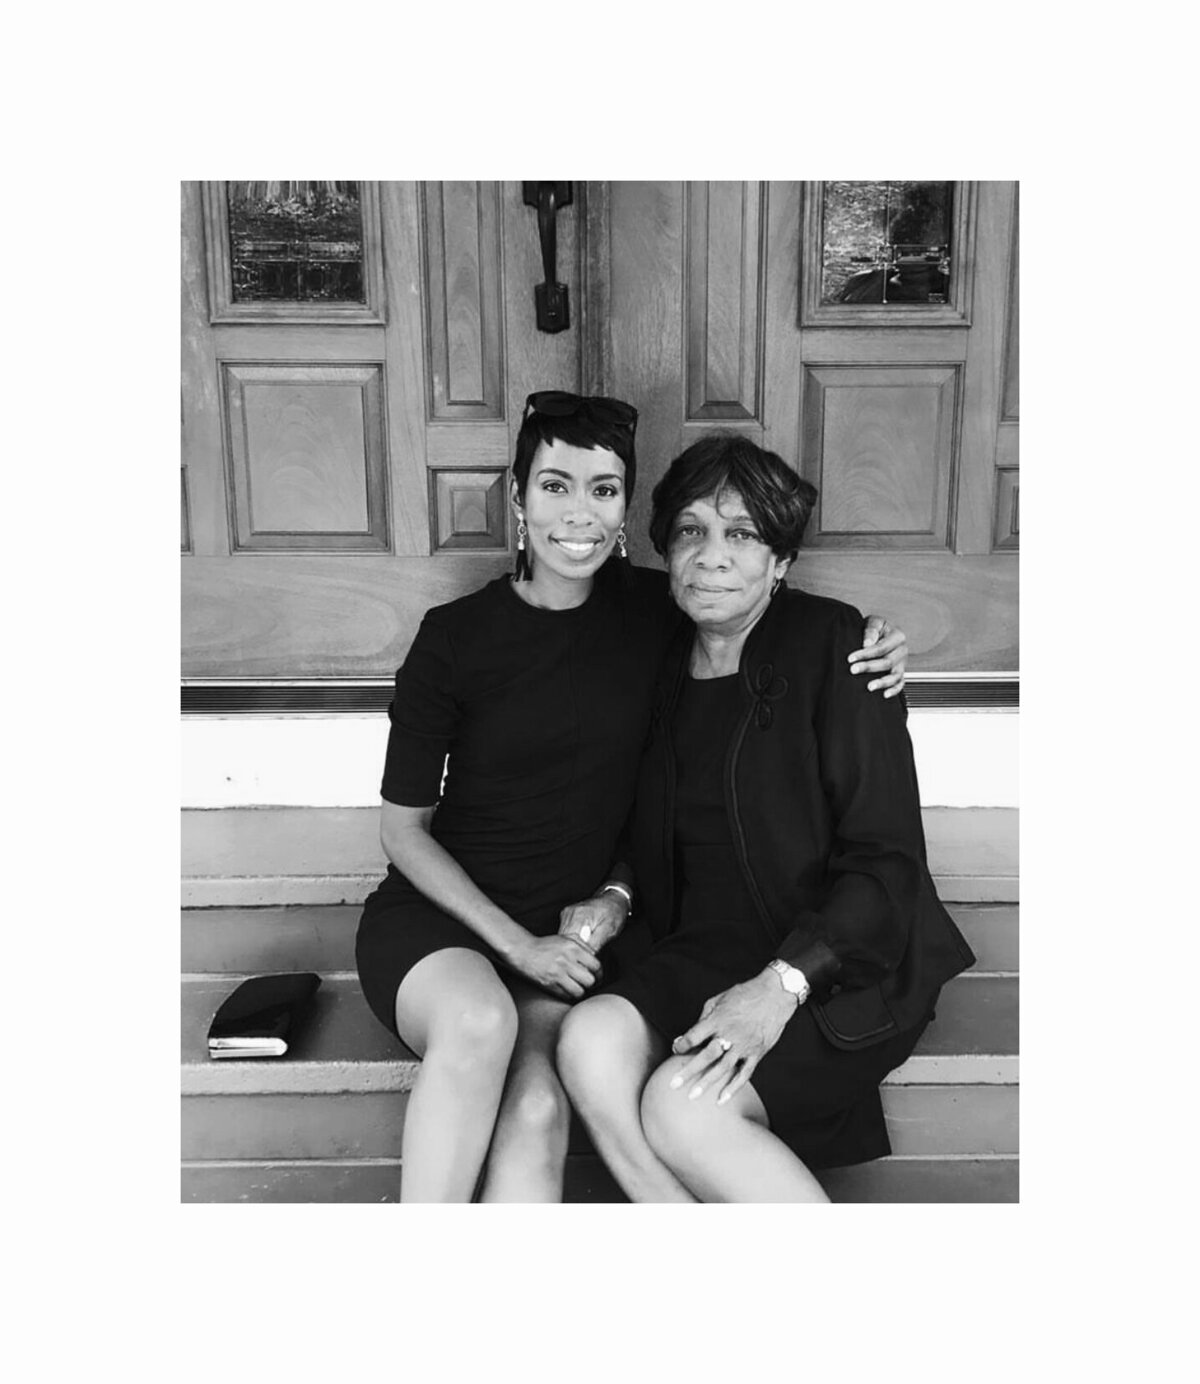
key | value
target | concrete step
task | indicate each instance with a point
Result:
(344, 1048)
(320, 937)
(587, 1180)
(325, 1124)
(271, 856)
(925, 1180)
(923, 1121)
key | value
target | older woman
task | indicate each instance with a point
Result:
(779, 861)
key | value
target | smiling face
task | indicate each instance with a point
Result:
(722, 573)
(573, 506)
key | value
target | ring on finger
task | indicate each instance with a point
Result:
(724, 1044)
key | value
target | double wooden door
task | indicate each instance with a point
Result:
(356, 357)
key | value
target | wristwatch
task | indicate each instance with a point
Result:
(793, 980)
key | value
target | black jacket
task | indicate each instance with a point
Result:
(821, 792)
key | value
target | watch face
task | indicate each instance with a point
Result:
(792, 980)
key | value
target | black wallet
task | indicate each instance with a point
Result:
(262, 1015)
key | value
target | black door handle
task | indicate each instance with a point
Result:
(550, 297)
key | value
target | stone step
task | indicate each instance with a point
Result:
(922, 1121)
(925, 1180)
(320, 937)
(325, 1124)
(271, 856)
(343, 1047)
(953, 1180)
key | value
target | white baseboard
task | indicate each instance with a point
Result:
(964, 759)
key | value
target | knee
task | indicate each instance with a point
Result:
(479, 1032)
(580, 1055)
(671, 1121)
(537, 1109)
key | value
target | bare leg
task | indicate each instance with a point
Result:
(529, 1147)
(605, 1053)
(456, 1013)
(723, 1153)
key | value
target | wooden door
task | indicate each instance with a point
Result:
(902, 413)
(356, 357)
(347, 432)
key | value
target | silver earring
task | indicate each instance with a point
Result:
(522, 535)
(778, 584)
(622, 551)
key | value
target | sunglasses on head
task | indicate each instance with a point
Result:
(557, 403)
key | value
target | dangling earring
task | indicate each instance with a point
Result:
(778, 584)
(524, 572)
(622, 551)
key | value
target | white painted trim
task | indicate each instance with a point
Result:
(964, 759)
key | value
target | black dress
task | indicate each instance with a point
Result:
(823, 1102)
(542, 714)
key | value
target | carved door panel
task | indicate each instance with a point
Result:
(867, 333)
(356, 357)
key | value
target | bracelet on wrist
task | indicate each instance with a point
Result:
(626, 894)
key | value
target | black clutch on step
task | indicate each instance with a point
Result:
(262, 1015)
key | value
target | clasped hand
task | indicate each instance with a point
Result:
(594, 921)
(566, 964)
(735, 1031)
(562, 965)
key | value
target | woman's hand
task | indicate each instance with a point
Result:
(735, 1031)
(562, 965)
(884, 650)
(594, 921)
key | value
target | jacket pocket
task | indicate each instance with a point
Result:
(855, 1018)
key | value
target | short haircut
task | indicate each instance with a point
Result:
(580, 429)
(778, 500)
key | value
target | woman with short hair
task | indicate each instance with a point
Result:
(779, 862)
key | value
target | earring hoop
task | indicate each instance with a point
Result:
(622, 550)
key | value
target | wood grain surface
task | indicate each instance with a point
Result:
(463, 290)
(685, 299)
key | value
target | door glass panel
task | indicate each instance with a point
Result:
(886, 242)
(296, 242)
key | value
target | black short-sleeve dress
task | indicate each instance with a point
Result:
(538, 717)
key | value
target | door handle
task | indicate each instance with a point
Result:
(550, 297)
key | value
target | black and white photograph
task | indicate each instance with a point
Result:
(600, 666)
(604, 737)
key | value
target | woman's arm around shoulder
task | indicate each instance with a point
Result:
(885, 651)
(878, 647)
